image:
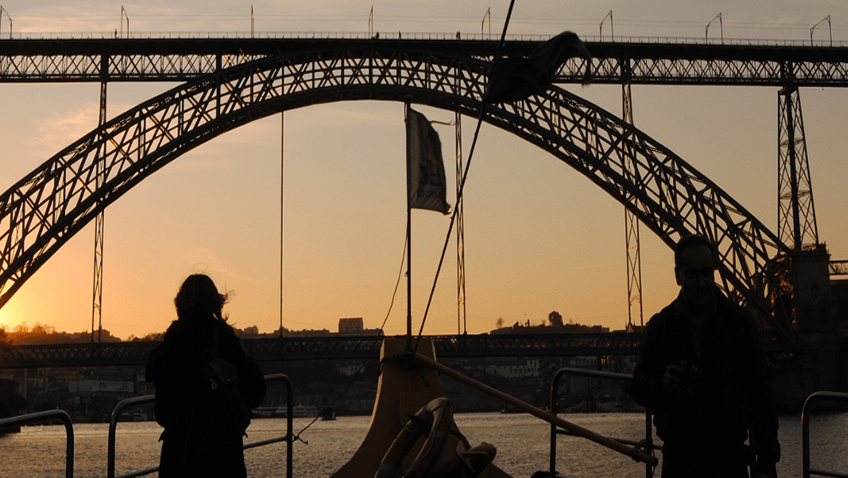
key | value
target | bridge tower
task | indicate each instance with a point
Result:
(796, 217)
(809, 295)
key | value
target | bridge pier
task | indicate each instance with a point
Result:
(821, 365)
(816, 324)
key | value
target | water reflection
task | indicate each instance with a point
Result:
(522, 441)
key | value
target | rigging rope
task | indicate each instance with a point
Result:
(448, 236)
(362, 365)
(464, 176)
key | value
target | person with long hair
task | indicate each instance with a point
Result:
(205, 387)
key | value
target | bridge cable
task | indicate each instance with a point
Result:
(483, 108)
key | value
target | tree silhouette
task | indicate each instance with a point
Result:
(555, 319)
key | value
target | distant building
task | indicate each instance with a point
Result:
(546, 329)
(528, 367)
(354, 326)
(91, 386)
(350, 326)
(589, 362)
(348, 369)
(251, 331)
(307, 333)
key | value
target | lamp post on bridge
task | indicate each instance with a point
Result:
(2, 10)
(720, 27)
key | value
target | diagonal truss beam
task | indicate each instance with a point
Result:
(56, 200)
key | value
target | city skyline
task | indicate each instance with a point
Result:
(539, 237)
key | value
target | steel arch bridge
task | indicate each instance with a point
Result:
(40, 213)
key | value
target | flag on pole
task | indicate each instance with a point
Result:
(516, 78)
(425, 169)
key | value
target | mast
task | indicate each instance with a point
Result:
(408, 242)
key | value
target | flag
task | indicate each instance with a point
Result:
(425, 169)
(516, 78)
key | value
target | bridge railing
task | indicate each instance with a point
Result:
(645, 444)
(186, 35)
(148, 399)
(815, 399)
(49, 416)
(390, 35)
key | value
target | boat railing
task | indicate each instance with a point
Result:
(49, 416)
(646, 444)
(811, 401)
(148, 399)
(635, 452)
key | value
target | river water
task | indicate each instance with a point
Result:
(523, 446)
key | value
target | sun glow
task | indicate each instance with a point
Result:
(10, 317)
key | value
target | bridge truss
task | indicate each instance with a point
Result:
(335, 347)
(229, 83)
(659, 63)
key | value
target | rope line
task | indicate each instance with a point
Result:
(362, 365)
(464, 177)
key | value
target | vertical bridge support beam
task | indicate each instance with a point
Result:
(460, 234)
(796, 212)
(631, 229)
(100, 172)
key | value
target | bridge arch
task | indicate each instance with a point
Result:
(40, 213)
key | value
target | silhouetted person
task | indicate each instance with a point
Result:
(704, 374)
(205, 387)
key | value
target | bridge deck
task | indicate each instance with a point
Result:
(756, 63)
(332, 347)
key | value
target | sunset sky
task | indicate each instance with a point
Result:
(539, 236)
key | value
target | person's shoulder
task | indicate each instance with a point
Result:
(737, 317)
(664, 316)
(225, 329)
(735, 310)
(227, 335)
(174, 331)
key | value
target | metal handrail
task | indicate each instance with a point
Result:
(465, 36)
(805, 430)
(147, 399)
(47, 415)
(620, 377)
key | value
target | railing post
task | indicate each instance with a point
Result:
(647, 443)
(143, 400)
(554, 393)
(649, 440)
(39, 417)
(805, 430)
(113, 426)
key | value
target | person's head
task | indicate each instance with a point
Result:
(694, 269)
(198, 298)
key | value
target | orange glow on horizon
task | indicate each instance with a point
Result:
(9, 318)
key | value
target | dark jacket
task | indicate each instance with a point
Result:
(199, 440)
(727, 390)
